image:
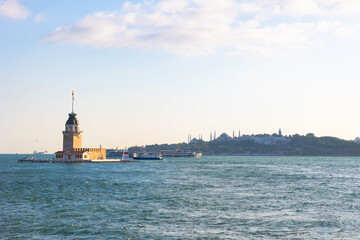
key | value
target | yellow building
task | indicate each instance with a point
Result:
(72, 142)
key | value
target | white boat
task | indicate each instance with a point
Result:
(148, 156)
(27, 159)
(180, 153)
(45, 152)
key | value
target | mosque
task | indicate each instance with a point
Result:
(72, 142)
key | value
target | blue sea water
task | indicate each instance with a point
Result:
(215, 197)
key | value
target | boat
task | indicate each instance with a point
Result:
(27, 159)
(45, 152)
(147, 156)
(180, 153)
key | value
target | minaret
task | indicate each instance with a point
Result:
(233, 134)
(280, 134)
(210, 136)
(214, 134)
(239, 133)
(72, 135)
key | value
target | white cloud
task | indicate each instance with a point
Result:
(12, 9)
(39, 17)
(201, 27)
(301, 8)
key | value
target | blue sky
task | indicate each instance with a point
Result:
(149, 72)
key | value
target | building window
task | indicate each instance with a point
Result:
(75, 129)
(70, 128)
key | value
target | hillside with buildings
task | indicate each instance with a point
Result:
(265, 144)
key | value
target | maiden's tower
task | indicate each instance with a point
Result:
(72, 142)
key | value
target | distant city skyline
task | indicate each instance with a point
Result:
(147, 72)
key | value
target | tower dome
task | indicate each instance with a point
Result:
(72, 124)
(72, 120)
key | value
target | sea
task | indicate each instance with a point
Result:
(214, 197)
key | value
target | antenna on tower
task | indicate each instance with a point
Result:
(72, 110)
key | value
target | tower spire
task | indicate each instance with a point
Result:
(72, 110)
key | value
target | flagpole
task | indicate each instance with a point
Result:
(73, 101)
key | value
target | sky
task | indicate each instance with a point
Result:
(154, 71)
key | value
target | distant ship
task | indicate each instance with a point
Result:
(147, 156)
(180, 153)
(45, 152)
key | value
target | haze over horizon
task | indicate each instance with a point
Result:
(147, 72)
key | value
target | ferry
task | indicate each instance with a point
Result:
(180, 153)
(147, 156)
(45, 152)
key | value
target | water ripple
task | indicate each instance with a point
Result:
(210, 198)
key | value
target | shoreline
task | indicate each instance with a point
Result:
(79, 161)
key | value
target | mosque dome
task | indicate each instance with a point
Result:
(72, 120)
(224, 136)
